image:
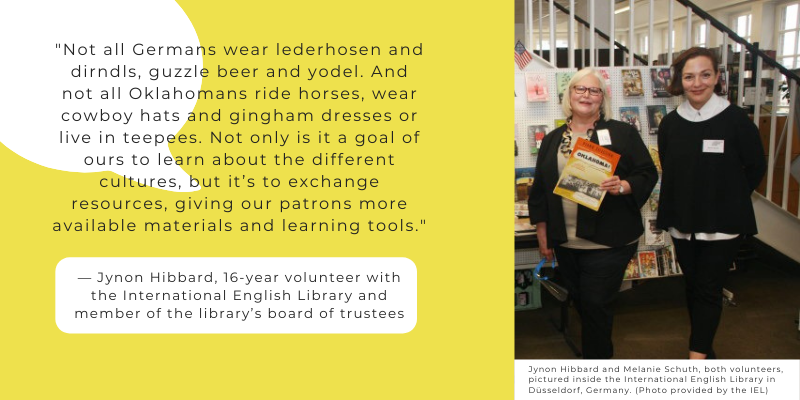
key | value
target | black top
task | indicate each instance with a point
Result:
(618, 221)
(703, 191)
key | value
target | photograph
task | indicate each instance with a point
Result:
(698, 210)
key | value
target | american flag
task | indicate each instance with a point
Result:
(521, 56)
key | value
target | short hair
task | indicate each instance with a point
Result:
(675, 87)
(605, 107)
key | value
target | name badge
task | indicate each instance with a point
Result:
(713, 146)
(603, 137)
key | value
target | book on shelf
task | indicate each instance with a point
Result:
(653, 149)
(652, 264)
(631, 116)
(669, 255)
(654, 116)
(535, 136)
(523, 180)
(652, 201)
(648, 266)
(587, 167)
(536, 87)
(652, 235)
(660, 262)
(632, 270)
(562, 83)
(632, 83)
(661, 79)
(606, 79)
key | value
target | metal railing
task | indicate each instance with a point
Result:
(779, 73)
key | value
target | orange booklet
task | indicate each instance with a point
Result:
(588, 166)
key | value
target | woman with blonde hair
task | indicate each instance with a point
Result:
(593, 248)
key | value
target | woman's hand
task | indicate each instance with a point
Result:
(541, 235)
(615, 186)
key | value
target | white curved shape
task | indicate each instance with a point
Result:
(34, 37)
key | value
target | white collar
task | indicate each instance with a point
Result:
(713, 106)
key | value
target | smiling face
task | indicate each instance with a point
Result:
(698, 79)
(586, 105)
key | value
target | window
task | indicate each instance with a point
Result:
(622, 38)
(788, 41)
(665, 41)
(700, 35)
(560, 43)
(741, 25)
(788, 32)
(643, 44)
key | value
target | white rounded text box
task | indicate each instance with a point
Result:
(236, 295)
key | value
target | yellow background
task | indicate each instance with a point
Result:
(458, 179)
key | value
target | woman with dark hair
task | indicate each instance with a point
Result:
(593, 247)
(712, 160)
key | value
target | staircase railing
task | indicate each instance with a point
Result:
(779, 149)
(600, 33)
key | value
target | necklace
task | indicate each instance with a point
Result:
(566, 137)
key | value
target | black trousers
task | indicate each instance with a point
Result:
(705, 266)
(593, 278)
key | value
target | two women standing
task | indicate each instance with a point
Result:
(712, 160)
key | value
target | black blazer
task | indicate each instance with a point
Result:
(618, 221)
(704, 191)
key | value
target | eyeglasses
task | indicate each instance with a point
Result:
(594, 91)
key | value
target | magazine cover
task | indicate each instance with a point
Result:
(648, 266)
(535, 136)
(536, 86)
(632, 83)
(654, 116)
(607, 79)
(632, 271)
(586, 169)
(562, 81)
(652, 235)
(631, 116)
(652, 201)
(669, 254)
(523, 180)
(661, 79)
(654, 155)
